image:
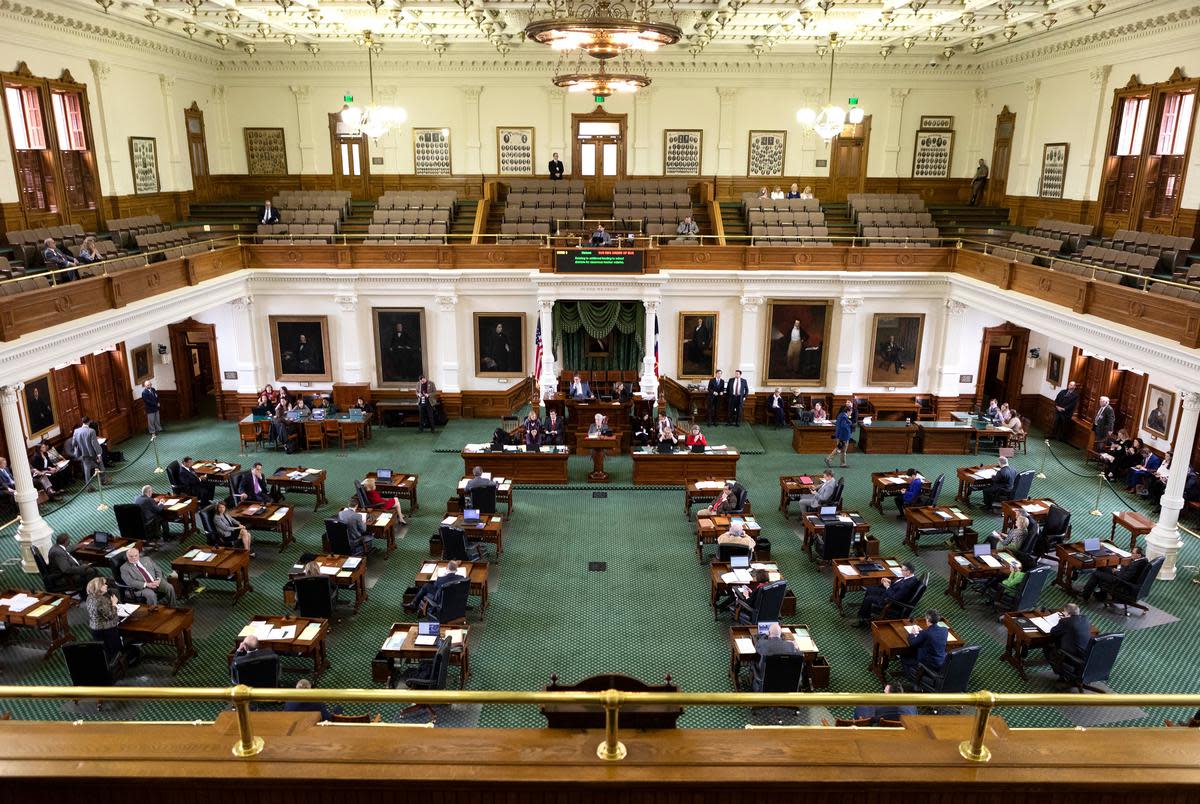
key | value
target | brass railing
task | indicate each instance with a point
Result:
(611, 701)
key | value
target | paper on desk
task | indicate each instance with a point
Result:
(744, 645)
(428, 568)
(344, 574)
(411, 479)
(913, 629)
(441, 571)
(329, 570)
(126, 609)
(943, 514)
(283, 632)
(962, 561)
(383, 519)
(117, 551)
(191, 553)
(894, 480)
(505, 486)
(352, 562)
(311, 472)
(847, 570)
(262, 629)
(773, 576)
(991, 561)
(425, 640)
(170, 502)
(897, 572)
(1044, 624)
(310, 632)
(750, 522)
(958, 514)
(455, 636)
(450, 520)
(177, 506)
(395, 641)
(40, 610)
(19, 602)
(984, 474)
(294, 475)
(486, 475)
(495, 519)
(252, 628)
(278, 515)
(1114, 549)
(204, 556)
(760, 565)
(297, 566)
(224, 467)
(1034, 508)
(804, 643)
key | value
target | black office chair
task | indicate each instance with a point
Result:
(898, 609)
(173, 477)
(1025, 596)
(131, 525)
(955, 675)
(125, 593)
(89, 665)
(767, 601)
(782, 672)
(337, 538)
(451, 603)
(360, 496)
(727, 551)
(1094, 666)
(314, 596)
(482, 499)
(1055, 529)
(430, 674)
(930, 497)
(1023, 485)
(837, 496)
(739, 499)
(455, 546)
(51, 580)
(205, 515)
(835, 542)
(1133, 593)
(259, 671)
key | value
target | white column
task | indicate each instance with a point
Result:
(751, 338)
(33, 530)
(174, 159)
(649, 381)
(391, 142)
(471, 108)
(976, 144)
(447, 342)
(102, 72)
(1098, 77)
(810, 98)
(350, 339)
(1163, 539)
(945, 381)
(549, 381)
(849, 350)
(558, 141)
(725, 137)
(308, 160)
(642, 147)
(1029, 177)
(219, 126)
(894, 119)
(245, 344)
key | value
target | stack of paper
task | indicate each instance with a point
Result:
(744, 645)
(224, 467)
(913, 630)
(295, 475)
(450, 520)
(383, 520)
(309, 633)
(18, 602)
(395, 641)
(1044, 624)
(804, 642)
(739, 576)
(424, 640)
(170, 502)
(495, 519)
(991, 561)
(984, 474)
(943, 514)
(329, 570)
(847, 570)
(117, 551)
(962, 561)
(178, 506)
(1112, 548)
(455, 636)
(311, 471)
(125, 609)
(1035, 508)
(203, 556)
(344, 574)
(278, 515)
(352, 562)
(428, 568)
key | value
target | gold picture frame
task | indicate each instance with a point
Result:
(683, 151)
(766, 152)
(513, 157)
(39, 413)
(495, 353)
(143, 162)
(1054, 169)
(266, 151)
(697, 355)
(141, 361)
(1158, 416)
(431, 152)
(399, 350)
(1054, 370)
(784, 364)
(288, 333)
(895, 351)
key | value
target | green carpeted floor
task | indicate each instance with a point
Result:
(646, 614)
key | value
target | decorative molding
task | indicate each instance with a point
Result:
(955, 307)
(1098, 75)
(1190, 399)
(851, 305)
(8, 393)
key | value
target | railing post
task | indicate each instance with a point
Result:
(611, 749)
(974, 749)
(247, 745)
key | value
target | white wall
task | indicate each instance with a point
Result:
(163, 374)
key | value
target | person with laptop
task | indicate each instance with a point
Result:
(1105, 580)
(825, 495)
(773, 644)
(890, 590)
(930, 645)
(1071, 635)
(912, 492)
(432, 589)
(533, 434)
(736, 535)
(1002, 484)
(377, 501)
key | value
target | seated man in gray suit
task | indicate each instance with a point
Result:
(153, 513)
(824, 496)
(478, 480)
(66, 566)
(772, 645)
(356, 531)
(148, 583)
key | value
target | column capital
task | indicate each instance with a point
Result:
(955, 307)
(100, 69)
(651, 305)
(981, 96)
(446, 303)
(750, 304)
(1189, 399)
(557, 95)
(1032, 88)
(346, 302)
(727, 94)
(851, 304)
(300, 91)
(471, 94)
(218, 94)
(1098, 75)
(242, 303)
(545, 305)
(8, 393)
(899, 94)
(167, 83)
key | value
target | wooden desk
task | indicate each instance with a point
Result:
(1024, 636)
(1135, 523)
(652, 468)
(521, 467)
(719, 586)
(48, 614)
(937, 519)
(861, 543)
(694, 493)
(312, 647)
(218, 472)
(857, 576)
(901, 409)
(598, 445)
(581, 414)
(970, 480)
(489, 529)
(813, 439)
(974, 569)
(267, 517)
(180, 508)
(353, 577)
(87, 551)
(401, 646)
(1034, 509)
(709, 528)
(299, 480)
(162, 624)
(381, 525)
(1071, 563)
(504, 494)
(400, 486)
(361, 423)
(816, 668)
(947, 438)
(227, 564)
(889, 638)
(793, 487)
(887, 437)
(477, 575)
(884, 485)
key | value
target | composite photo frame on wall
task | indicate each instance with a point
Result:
(765, 156)
(514, 150)
(931, 154)
(143, 159)
(1054, 169)
(431, 151)
(681, 152)
(937, 122)
(266, 151)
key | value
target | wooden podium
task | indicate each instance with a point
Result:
(598, 445)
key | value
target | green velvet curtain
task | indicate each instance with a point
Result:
(578, 323)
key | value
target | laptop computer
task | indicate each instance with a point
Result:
(666, 446)
(294, 416)
(383, 474)
(1092, 547)
(697, 448)
(982, 550)
(427, 632)
(764, 628)
(470, 515)
(101, 538)
(318, 414)
(806, 417)
(739, 562)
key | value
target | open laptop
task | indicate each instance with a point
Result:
(739, 562)
(698, 448)
(318, 414)
(1092, 547)
(666, 446)
(982, 550)
(294, 416)
(470, 515)
(101, 538)
(806, 417)
(427, 632)
(764, 628)
(829, 513)
(383, 474)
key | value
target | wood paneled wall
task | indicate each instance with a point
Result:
(1024, 210)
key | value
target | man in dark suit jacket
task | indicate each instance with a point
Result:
(1104, 580)
(772, 645)
(716, 389)
(1064, 408)
(248, 652)
(253, 486)
(1002, 484)
(1104, 421)
(150, 403)
(552, 430)
(66, 567)
(86, 446)
(56, 259)
(886, 712)
(556, 167)
(310, 706)
(191, 484)
(1071, 635)
(478, 480)
(891, 591)
(356, 531)
(579, 389)
(738, 390)
(268, 213)
(431, 591)
(153, 512)
(930, 644)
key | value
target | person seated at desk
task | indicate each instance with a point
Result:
(378, 501)
(311, 706)
(1004, 414)
(148, 583)
(1002, 484)
(531, 420)
(993, 410)
(772, 645)
(311, 570)
(601, 237)
(1071, 635)
(890, 590)
(533, 435)
(1138, 474)
(229, 532)
(930, 644)
(912, 492)
(253, 487)
(874, 714)
(366, 407)
(431, 590)
(478, 481)
(552, 429)
(727, 502)
(776, 405)
(300, 408)
(622, 393)
(599, 427)
(696, 438)
(687, 228)
(1013, 537)
(747, 592)
(807, 193)
(191, 484)
(793, 191)
(737, 535)
(819, 413)
(356, 531)
(826, 492)
(1014, 424)
(1103, 581)
(643, 431)
(665, 430)
(320, 403)
(263, 406)
(68, 569)
(247, 651)
(579, 389)
(47, 463)
(154, 514)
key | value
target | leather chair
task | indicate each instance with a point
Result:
(955, 675)
(259, 671)
(89, 664)
(1025, 596)
(451, 603)
(1094, 666)
(930, 496)
(897, 609)
(835, 542)
(1132, 594)
(768, 600)
(51, 580)
(173, 477)
(782, 672)
(314, 596)
(1055, 529)
(483, 499)
(456, 547)
(430, 674)
(727, 551)
(337, 541)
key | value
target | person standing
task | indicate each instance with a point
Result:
(843, 429)
(738, 389)
(426, 399)
(1064, 408)
(86, 445)
(556, 167)
(150, 402)
(716, 390)
(1104, 421)
(979, 183)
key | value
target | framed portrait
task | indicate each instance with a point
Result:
(514, 150)
(1054, 169)
(895, 357)
(266, 151)
(937, 122)
(143, 159)
(1054, 369)
(597, 347)
(931, 154)
(499, 344)
(301, 348)
(765, 155)
(797, 341)
(697, 345)
(399, 345)
(431, 151)
(140, 359)
(1159, 414)
(682, 151)
(37, 407)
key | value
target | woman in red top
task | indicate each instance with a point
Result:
(696, 437)
(377, 500)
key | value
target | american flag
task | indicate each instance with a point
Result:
(656, 345)
(537, 352)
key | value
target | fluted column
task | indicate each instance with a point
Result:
(308, 156)
(471, 110)
(391, 143)
(245, 344)
(849, 350)
(220, 128)
(174, 152)
(1163, 538)
(810, 98)
(977, 143)
(751, 339)
(558, 140)
(350, 339)
(725, 138)
(33, 530)
(549, 380)
(102, 72)
(447, 342)
(946, 381)
(895, 118)
(1098, 80)
(642, 146)
(649, 381)
(1029, 177)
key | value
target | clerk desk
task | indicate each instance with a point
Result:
(653, 468)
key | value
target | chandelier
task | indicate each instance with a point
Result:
(828, 122)
(602, 30)
(601, 83)
(375, 120)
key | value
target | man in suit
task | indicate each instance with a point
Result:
(886, 712)
(228, 530)
(191, 484)
(1065, 403)
(599, 427)
(66, 566)
(772, 645)
(843, 430)
(716, 390)
(249, 651)
(1104, 421)
(268, 213)
(86, 446)
(737, 535)
(478, 480)
(778, 409)
(147, 582)
(310, 706)
(1071, 635)
(726, 502)
(150, 403)
(1103, 581)
(579, 389)
(426, 399)
(979, 182)
(8, 484)
(153, 513)
(253, 487)
(912, 492)
(601, 237)
(498, 353)
(930, 645)
(890, 591)
(431, 590)
(738, 390)
(57, 259)
(552, 430)
(356, 531)
(556, 167)
(824, 496)
(1002, 484)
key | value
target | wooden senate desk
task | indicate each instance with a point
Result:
(947, 438)
(1135, 523)
(966, 567)
(289, 636)
(891, 484)
(581, 414)
(164, 625)
(862, 544)
(743, 641)
(489, 529)
(89, 552)
(889, 639)
(220, 563)
(1034, 509)
(1072, 560)
(705, 490)
(853, 574)
(709, 528)
(401, 646)
(653, 468)
(937, 519)
(267, 517)
(504, 494)
(998, 434)
(218, 472)
(400, 486)
(180, 508)
(299, 480)
(598, 445)
(723, 577)
(547, 466)
(474, 571)
(792, 488)
(972, 479)
(360, 421)
(345, 572)
(41, 611)
(887, 437)
(813, 439)
(1028, 630)
(895, 409)
(381, 525)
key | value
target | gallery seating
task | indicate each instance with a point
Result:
(858, 203)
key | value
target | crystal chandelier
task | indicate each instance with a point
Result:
(602, 30)
(601, 83)
(828, 122)
(375, 120)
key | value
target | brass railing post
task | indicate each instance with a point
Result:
(247, 745)
(974, 749)
(611, 749)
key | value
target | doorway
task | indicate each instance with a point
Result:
(848, 160)
(193, 124)
(197, 369)
(351, 160)
(997, 186)
(598, 152)
(1001, 365)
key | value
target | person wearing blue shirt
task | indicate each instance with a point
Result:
(930, 645)
(911, 493)
(843, 429)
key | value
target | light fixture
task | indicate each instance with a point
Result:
(223, 39)
(828, 123)
(917, 5)
(375, 120)
(376, 5)
(909, 41)
(885, 51)
(234, 16)
(263, 29)
(1049, 20)
(948, 53)
(1094, 7)
(313, 48)
(976, 43)
(825, 5)
(1006, 8)
(194, 5)
(599, 31)
(935, 32)
(290, 39)
(249, 48)
(602, 83)
(886, 17)
(286, 5)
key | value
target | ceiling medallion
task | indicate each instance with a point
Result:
(602, 30)
(601, 83)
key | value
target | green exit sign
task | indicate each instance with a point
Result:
(598, 98)
(854, 101)
(348, 98)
